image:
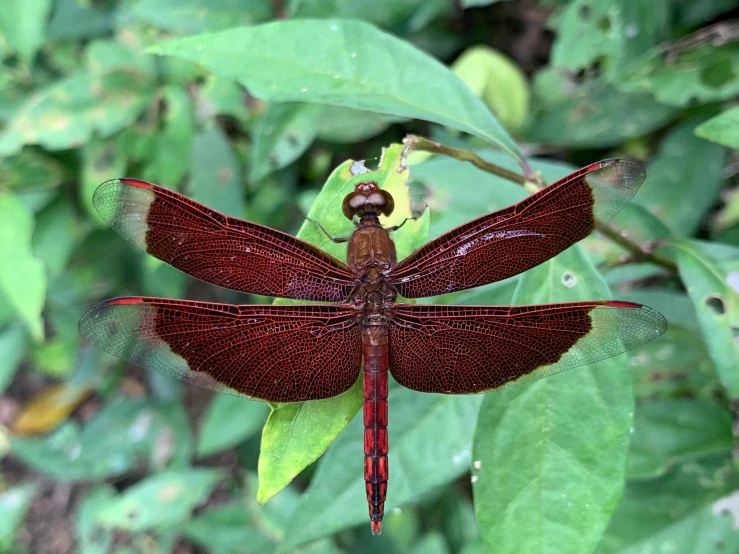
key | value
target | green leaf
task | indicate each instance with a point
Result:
(13, 345)
(101, 160)
(14, 503)
(681, 512)
(198, 16)
(723, 128)
(227, 528)
(318, 423)
(172, 150)
(684, 180)
(228, 421)
(162, 500)
(713, 286)
(219, 96)
(92, 537)
(592, 116)
(496, 79)
(22, 276)
(55, 236)
(215, 178)
(668, 431)
(23, 25)
(344, 63)
(284, 132)
(701, 74)
(476, 3)
(436, 425)
(158, 432)
(67, 113)
(347, 126)
(550, 455)
(74, 19)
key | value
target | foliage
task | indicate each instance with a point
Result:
(257, 110)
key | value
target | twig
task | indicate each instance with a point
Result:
(638, 253)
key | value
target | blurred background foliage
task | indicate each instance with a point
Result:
(100, 457)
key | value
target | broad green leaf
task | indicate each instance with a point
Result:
(681, 512)
(172, 150)
(344, 63)
(101, 160)
(219, 96)
(13, 345)
(669, 431)
(22, 276)
(157, 432)
(713, 286)
(609, 31)
(228, 421)
(592, 116)
(162, 500)
(198, 16)
(92, 537)
(688, 13)
(23, 25)
(317, 424)
(14, 503)
(704, 73)
(430, 439)
(550, 455)
(723, 128)
(227, 529)
(284, 132)
(496, 79)
(30, 172)
(431, 543)
(215, 176)
(67, 113)
(684, 179)
(74, 19)
(105, 56)
(55, 235)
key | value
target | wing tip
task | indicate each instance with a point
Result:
(657, 320)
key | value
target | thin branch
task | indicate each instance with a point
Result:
(638, 253)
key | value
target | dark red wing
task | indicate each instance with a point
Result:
(507, 242)
(471, 349)
(222, 250)
(274, 353)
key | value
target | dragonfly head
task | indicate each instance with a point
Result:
(367, 198)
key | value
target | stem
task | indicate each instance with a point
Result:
(415, 142)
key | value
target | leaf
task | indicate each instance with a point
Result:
(723, 128)
(684, 180)
(162, 500)
(73, 19)
(347, 126)
(229, 421)
(592, 115)
(496, 79)
(23, 26)
(13, 345)
(701, 74)
(219, 96)
(158, 432)
(197, 16)
(676, 513)
(669, 431)
(172, 150)
(713, 288)
(49, 408)
(344, 63)
(436, 425)
(215, 177)
(225, 529)
(67, 113)
(319, 423)
(93, 538)
(284, 132)
(101, 160)
(22, 276)
(55, 236)
(14, 503)
(550, 455)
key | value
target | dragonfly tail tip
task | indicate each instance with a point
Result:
(376, 527)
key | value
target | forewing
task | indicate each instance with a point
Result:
(471, 349)
(274, 353)
(507, 242)
(219, 249)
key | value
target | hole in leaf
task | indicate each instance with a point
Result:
(716, 304)
(584, 11)
(718, 74)
(604, 24)
(735, 333)
(568, 279)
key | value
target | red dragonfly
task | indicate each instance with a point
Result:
(308, 352)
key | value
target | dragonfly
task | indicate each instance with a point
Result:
(297, 353)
